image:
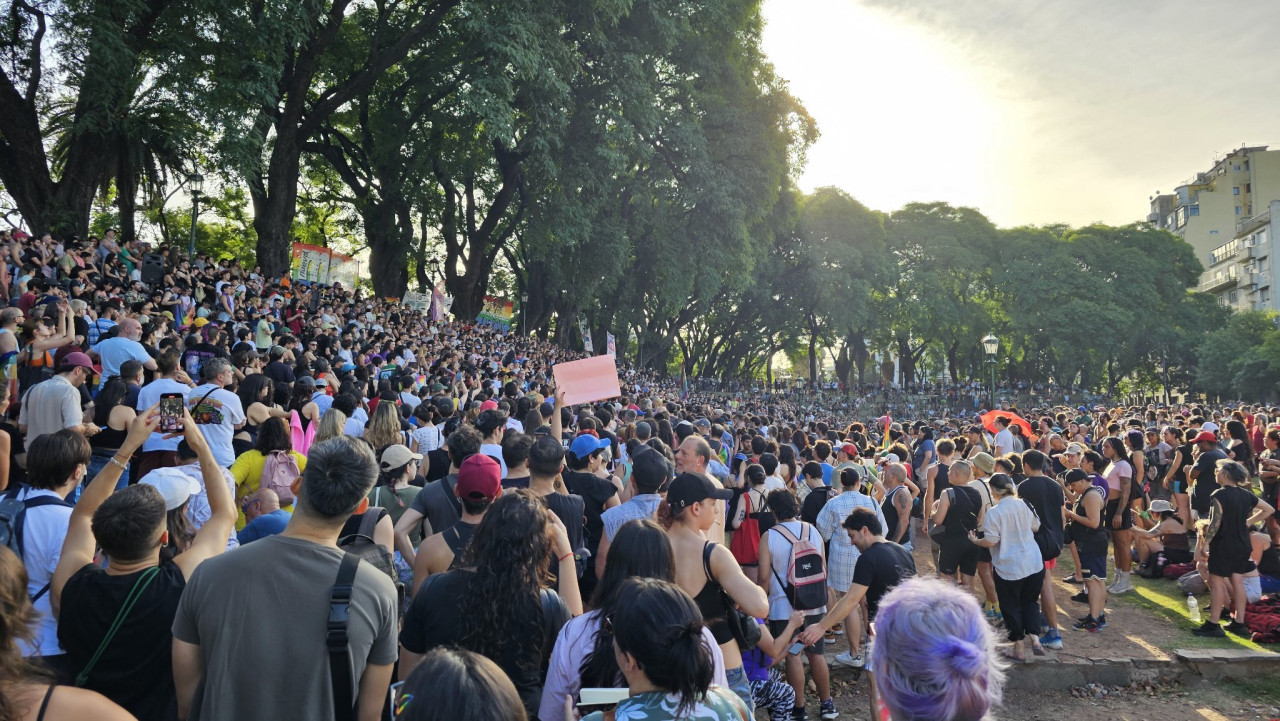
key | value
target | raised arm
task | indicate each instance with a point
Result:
(211, 539)
(79, 544)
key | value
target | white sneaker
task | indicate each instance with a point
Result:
(845, 659)
(1122, 585)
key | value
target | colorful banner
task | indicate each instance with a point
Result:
(316, 264)
(611, 346)
(586, 335)
(420, 302)
(497, 313)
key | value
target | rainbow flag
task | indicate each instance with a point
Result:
(884, 444)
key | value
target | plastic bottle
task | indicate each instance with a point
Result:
(1193, 608)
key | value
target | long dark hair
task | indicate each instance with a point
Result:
(1239, 433)
(787, 457)
(111, 395)
(657, 623)
(273, 435)
(458, 685)
(181, 533)
(251, 387)
(641, 549)
(509, 557)
(18, 621)
(1117, 447)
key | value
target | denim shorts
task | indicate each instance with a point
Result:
(738, 683)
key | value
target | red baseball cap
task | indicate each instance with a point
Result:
(489, 405)
(1206, 437)
(849, 450)
(479, 477)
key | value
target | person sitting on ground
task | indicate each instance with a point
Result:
(935, 656)
(263, 516)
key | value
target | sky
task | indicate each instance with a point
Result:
(1032, 111)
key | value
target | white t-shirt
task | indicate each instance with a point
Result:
(773, 483)
(1004, 442)
(217, 411)
(44, 530)
(494, 451)
(148, 396)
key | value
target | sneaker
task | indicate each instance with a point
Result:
(1088, 623)
(1102, 621)
(1071, 579)
(1239, 629)
(838, 629)
(829, 637)
(1052, 640)
(798, 714)
(829, 709)
(1081, 597)
(1209, 629)
(848, 659)
(1122, 585)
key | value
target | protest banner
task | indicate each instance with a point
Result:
(586, 380)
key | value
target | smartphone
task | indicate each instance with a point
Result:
(602, 696)
(171, 411)
(796, 648)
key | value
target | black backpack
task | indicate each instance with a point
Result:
(361, 543)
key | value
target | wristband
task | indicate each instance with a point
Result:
(561, 560)
(115, 462)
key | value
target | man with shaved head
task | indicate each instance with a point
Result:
(693, 455)
(263, 516)
(113, 352)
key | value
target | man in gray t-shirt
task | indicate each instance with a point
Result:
(249, 635)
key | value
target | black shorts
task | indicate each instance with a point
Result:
(1225, 561)
(1115, 508)
(957, 554)
(984, 555)
(817, 649)
(1093, 565)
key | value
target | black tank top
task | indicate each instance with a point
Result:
(763, 517)
(1089, 540)
(108, 440)
(891, 516)
(941, 480)
(962, 513)
(710, 601)
(456, 537)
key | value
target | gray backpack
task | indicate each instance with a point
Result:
(1190, 584)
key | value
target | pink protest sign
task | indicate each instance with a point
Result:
(586, 380)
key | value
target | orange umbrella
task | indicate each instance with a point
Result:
(989, 422)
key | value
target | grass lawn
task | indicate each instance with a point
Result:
(1161, 596)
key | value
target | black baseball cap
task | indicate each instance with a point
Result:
(690, 488)
(650, 468)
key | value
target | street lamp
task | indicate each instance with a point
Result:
(524, 313)
(196, 183)
(991, 344)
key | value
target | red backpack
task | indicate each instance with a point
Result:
(279, 471)
(745, 544)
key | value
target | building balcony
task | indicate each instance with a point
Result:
(1249, 225)
(1219, 281)
(1259, 250)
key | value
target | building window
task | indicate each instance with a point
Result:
(1235, 294)
(1246, 166)
(1264, 295)
(1235, 167)
(1193, 210)
(1235, 190)
(1239, 210)
(1248, 187)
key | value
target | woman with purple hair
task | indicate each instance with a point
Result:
(935, 656)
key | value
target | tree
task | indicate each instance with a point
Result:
(95, 59)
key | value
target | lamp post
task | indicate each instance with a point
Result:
(991, 344)
(524, 312)
(196, 183)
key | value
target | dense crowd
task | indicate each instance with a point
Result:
(231, 496)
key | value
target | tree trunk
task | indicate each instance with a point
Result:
(275, 204)
(127, 199)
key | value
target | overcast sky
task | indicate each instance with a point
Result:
(1032, 111)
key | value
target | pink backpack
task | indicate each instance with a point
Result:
(279, 472)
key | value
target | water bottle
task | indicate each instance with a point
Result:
(1193, 608)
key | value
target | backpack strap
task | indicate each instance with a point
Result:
(453, 498)
(336, 638)
(369, 521)
(706, 560)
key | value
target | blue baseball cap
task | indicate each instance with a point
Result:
(585, 444)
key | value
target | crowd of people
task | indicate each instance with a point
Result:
(231, 496)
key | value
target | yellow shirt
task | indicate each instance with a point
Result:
(247, 470)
